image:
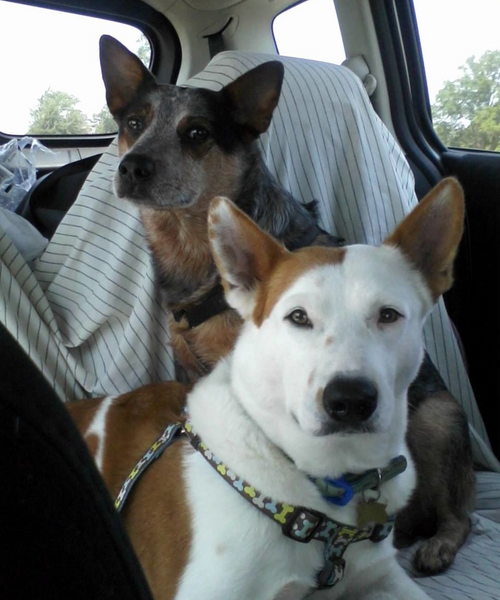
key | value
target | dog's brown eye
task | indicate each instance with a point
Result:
(197, 134)
(388, 315)
(299, 317)
(134, 123)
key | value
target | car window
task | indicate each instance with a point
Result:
(310, 30)
(49, 64)
(461, 49)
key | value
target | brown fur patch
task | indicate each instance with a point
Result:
(126, 138)
(288, 270)
(178, 240)
(200, 348)
(261, 262)
(156, 513)
(329, 340)
(92, 442)
(430, 234)
(125, 142)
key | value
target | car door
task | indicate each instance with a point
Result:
(468, 100)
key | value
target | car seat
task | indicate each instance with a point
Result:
(53, 194)
(91, 318)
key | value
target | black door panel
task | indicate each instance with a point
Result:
(474, 302)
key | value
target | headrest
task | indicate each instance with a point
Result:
(326, 143)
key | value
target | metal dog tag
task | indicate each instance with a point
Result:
(371, 512)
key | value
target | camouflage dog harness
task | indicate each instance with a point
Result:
(298, 523)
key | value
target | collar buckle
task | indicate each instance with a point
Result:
(375, 489)
(302, 524)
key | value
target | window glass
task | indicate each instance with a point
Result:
(310, 30)
(461, 49)
(51, 76)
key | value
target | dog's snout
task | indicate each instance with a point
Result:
(136, 167)
(350, 400)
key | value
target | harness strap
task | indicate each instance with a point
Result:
(299, 523)
(162, 443)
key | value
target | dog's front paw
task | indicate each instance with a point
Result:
(434, 556)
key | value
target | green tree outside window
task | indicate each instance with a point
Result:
(57, 114)
(466, 113)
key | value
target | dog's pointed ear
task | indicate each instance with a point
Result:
(254, 96)
(122, 72)
(429, 236)
(244, 254)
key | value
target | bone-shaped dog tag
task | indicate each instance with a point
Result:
(371, 512)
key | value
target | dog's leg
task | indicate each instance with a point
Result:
(439, 442)
(439, 506)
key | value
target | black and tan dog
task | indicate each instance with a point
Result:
(180, 148)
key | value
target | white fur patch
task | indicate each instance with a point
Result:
(98, 428)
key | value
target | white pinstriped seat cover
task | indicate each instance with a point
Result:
(89, 316)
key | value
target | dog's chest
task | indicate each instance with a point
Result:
(180, 251)
(236, 551)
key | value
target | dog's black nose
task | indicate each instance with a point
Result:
(350, 400)
(136, 167)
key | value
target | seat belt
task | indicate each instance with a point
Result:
(216, 41)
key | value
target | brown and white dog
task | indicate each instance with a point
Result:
(180, 147)
(316, 386)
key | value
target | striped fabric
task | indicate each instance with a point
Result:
(327, 144)
(475, 574)
(89, 315)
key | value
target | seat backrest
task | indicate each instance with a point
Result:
(326, 143)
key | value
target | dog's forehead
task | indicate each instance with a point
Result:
(191, 101)
(357, 276)
(382, 269)
(295, 269)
